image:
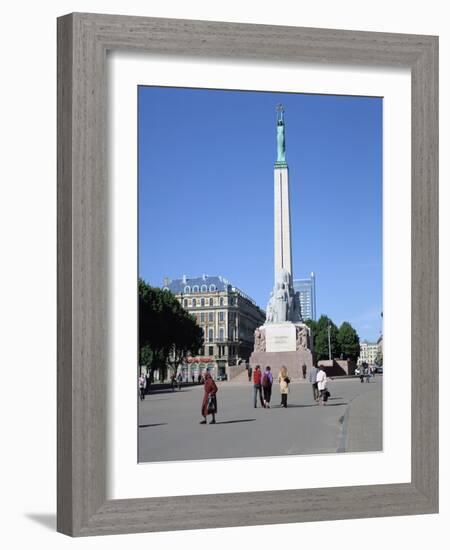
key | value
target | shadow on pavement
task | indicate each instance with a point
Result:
(313, 405)
(152, 425)
(166, 390)
(236, 421)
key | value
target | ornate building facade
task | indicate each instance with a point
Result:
(368, 352)
(228, 318)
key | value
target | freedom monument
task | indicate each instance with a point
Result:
(283, 339)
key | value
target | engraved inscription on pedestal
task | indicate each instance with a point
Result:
(280, 337)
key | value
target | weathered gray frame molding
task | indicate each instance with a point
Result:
(83, 40)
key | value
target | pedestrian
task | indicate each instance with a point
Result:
(267, 381)
(172, 381)
(284, 381)
(199, 378)
(313, 381)
(179, 380)
(361, 373)
(322, 386)
(367, 373)
(257, 378)
(193, 378)
(249, 372)
(142, 385)
(209, 403)
(304, 371)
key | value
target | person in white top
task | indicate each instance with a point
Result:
(142, 385)
(321, 380)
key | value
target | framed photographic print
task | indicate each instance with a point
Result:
(247, 274)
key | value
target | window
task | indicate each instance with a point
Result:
(187, 289)
(194, 302)
(221, 334)
(221, 301)
(185, 303)
(211, 302)
(221, 316)
(204, 288)
(210, 335)
(195, 288)
(210, 350)
(211, 317)
(231, 301)
(202, 302)
(212, 288)
(202, 317)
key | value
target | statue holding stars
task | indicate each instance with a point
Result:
(281, 141)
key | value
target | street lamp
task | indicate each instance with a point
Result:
(329, 341)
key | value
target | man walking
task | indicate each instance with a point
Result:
(313, 381)
(257, 376)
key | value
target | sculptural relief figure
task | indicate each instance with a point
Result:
(304, 338)
(260, 340)
(283, 304)
(296, 315)
(269, 309)
(263, 341)
(257, 340)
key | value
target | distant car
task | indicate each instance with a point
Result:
(379, 370)
(221, 377)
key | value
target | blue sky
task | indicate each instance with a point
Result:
(206, 193)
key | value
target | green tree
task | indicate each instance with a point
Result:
(348, 341)
(319, 331)
(167, 333)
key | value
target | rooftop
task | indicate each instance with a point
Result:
(203, 283)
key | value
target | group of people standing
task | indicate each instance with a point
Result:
(262, 389)
(365, 372)
(262, 386)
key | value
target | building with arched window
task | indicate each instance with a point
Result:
(228, 318)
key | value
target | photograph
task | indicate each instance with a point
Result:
(260, 274)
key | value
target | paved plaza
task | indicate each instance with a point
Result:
(169, 426)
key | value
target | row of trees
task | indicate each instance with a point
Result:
(344, 341)
(167, 332)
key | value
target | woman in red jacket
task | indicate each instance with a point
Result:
(209, 403)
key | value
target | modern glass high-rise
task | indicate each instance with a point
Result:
(307, 292)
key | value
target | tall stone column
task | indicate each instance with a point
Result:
(283, 340)
(282, 219)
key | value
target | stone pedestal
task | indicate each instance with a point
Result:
(293, 360)
(282, 344)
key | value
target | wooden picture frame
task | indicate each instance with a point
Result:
(83, 41)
